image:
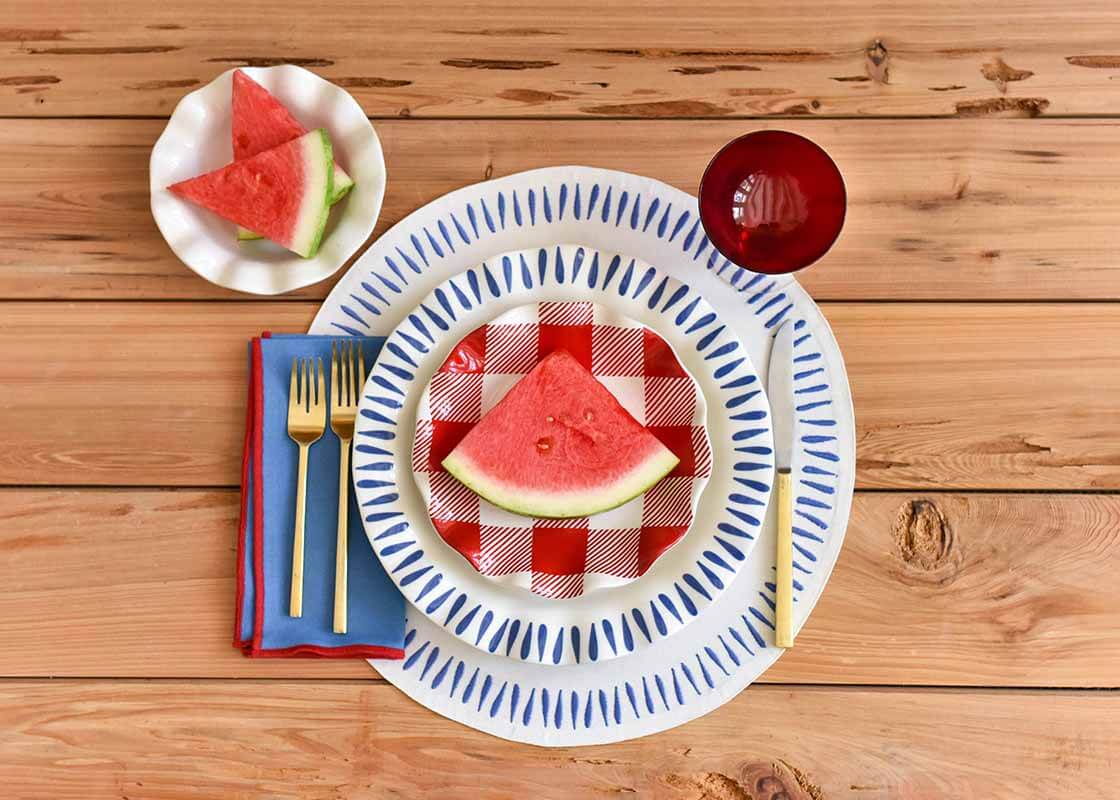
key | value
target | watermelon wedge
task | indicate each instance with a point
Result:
(261, 122)
(283, 193)
(559, 445)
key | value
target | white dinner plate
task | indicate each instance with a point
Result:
(505, 619)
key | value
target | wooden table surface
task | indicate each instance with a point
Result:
(968, 644)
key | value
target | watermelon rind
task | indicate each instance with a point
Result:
(562, 505)
(315, 207)
(343, 183)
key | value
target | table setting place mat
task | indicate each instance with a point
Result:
(263, 627)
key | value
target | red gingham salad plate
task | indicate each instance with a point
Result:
(509, 620)
(563, 558)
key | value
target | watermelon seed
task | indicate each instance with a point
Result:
(550, 418)
(588, 415)
(544, 444)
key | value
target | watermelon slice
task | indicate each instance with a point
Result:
(559, 445)
(283, 193)
(260, 122)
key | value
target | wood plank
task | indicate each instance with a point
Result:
(80, 740)
(625, 58)
(973, 209)
(984, 590)
(129, 393)
(984, 396)
(947, 396)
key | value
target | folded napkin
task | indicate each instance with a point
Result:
(264, 553)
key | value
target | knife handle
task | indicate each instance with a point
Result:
(783, 635)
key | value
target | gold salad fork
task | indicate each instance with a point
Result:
(347, 379)
(307, 418)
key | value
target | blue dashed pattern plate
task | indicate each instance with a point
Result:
(711, 660)
(509, 620)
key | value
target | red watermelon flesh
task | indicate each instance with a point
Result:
(559, 445)
(260, 122)
(282, 193)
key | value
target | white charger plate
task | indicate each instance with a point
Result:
(712, 660)
(599, 625)
(197, 139)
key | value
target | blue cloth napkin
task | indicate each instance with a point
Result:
(268, 487)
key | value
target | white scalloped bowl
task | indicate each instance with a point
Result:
(197, 139)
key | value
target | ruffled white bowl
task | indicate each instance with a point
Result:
(197, 139)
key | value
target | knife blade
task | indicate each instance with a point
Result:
(779, 389)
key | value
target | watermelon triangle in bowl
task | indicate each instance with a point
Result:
(261, 122)
(559, 445)
(282, 194)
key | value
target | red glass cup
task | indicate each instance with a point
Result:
(772, 201)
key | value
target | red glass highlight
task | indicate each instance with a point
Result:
(772, 201)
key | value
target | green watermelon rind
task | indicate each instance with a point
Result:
(316, 204)
(563, 505)
(246, 235)
(343, 183)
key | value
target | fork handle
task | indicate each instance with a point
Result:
(784, 616)
(341, 566)
(295, 602)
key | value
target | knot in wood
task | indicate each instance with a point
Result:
(878, 68)
(925, 541)
(1001, 73)
(777, 780)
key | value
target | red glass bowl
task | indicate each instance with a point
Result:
(772, 201)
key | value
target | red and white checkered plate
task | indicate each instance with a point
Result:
(563, 558)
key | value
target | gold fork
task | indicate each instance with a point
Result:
(347, 379)
(307, 418)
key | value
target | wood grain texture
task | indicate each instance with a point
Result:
(977, 396)
(622, 59)
(984, 396)
(65, 739)
(126, 393)
(983, 590)
(106, 586)
(978, 209)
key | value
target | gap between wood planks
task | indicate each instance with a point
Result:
(799, 118)
(228, 487)
(377, 680)
(879, 301)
